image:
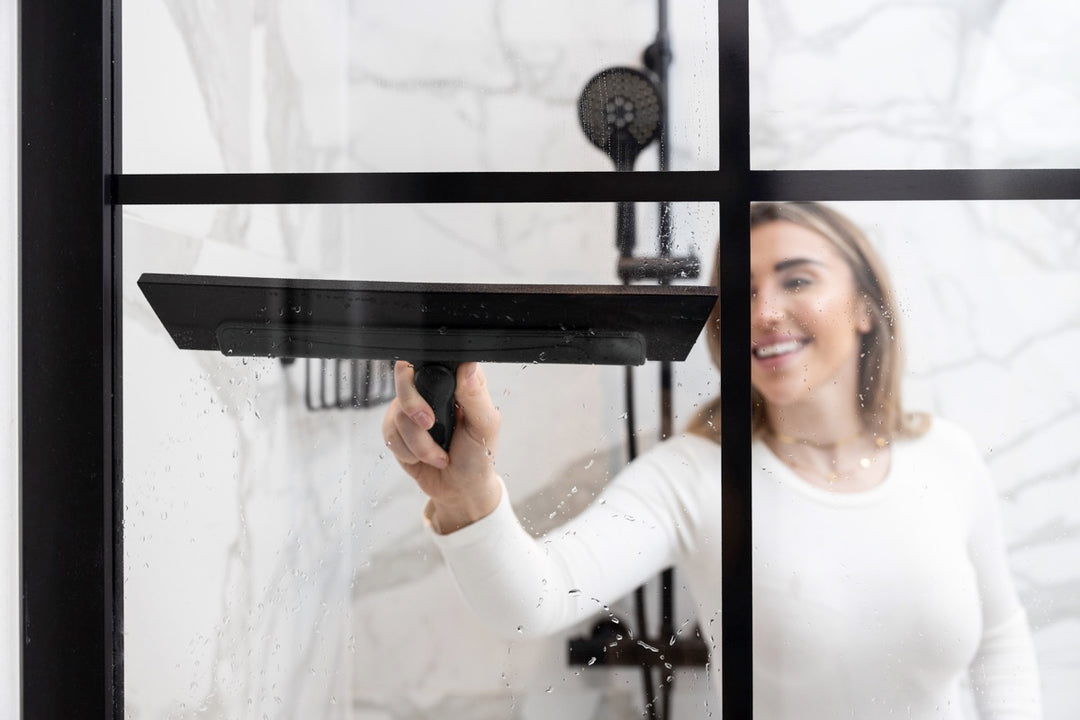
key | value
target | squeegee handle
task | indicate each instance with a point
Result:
(436, 382)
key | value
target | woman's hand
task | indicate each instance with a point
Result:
(462, 485)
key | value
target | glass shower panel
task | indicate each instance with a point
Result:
(988, 298)
(398, 87)
(951, 84)
(275, 560)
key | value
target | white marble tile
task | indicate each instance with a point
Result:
(948, 83)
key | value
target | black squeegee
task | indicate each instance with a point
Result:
(435, 326)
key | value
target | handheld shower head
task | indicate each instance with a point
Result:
(620, 110)
(620, 113)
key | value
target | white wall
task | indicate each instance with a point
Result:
(9, 563)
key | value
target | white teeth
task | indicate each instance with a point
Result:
(778, 349)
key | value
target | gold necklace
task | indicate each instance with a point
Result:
(831, 477)
(789, 440)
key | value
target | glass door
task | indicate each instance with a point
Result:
(214, 536)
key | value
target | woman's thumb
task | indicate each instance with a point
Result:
(477, 412)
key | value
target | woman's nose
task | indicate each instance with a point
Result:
(766, 306)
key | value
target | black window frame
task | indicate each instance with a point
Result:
(71, 191)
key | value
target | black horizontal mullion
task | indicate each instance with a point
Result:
(424, 187)
(646, 186)
(989, 184)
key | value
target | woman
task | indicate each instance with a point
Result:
(880, 578)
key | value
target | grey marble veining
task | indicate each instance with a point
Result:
(951, 83)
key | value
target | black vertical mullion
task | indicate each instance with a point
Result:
(734, 259)
(112, 343)
(68, 362)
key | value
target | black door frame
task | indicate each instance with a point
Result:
(69, 361)
(70, 193)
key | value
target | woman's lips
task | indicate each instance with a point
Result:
(772, 353)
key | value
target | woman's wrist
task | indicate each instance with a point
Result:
(447, 515)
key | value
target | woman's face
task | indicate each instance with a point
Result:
(806, 318)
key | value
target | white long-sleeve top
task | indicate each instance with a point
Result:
(867, 605)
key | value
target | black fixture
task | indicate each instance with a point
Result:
(346, 383)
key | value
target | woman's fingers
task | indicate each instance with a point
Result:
(477, 414)
(410, 444)
(392, 438)
(418, 442)
(409, 399)
(407, 421)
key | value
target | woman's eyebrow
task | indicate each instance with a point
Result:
(795, 262)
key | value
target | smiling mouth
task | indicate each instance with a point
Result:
(775, 349)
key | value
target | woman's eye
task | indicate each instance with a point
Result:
(796, 283)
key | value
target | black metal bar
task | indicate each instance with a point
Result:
(997, 184)
(424, 187)
(652, 709)
(640, 186)
(639, 593)
(610, 646)
(661, 62)
(658, 57)
(734, 252)
(112, 297)
(70, 404)
(309, 402)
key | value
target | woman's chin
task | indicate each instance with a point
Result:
(781, 395)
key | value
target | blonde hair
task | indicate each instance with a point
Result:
(880, 357)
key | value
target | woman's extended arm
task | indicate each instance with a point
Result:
(517, 583)
(535, 586)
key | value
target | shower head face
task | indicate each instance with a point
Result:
(620, 111)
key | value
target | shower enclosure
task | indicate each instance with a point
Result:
(214, 537)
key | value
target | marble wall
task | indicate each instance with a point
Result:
(274, 559)
(9, 467)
